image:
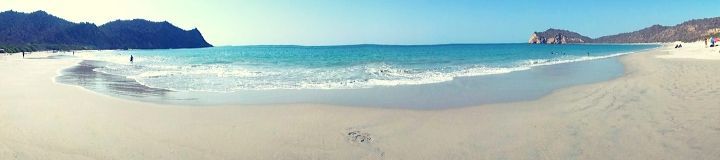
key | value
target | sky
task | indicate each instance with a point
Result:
(338, 22)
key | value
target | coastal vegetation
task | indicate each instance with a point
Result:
(27, 32)
(689, 31)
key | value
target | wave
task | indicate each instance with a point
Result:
(155, 72)
(545, 62)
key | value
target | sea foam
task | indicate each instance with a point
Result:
(266, 68)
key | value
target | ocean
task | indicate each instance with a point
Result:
(245, 74)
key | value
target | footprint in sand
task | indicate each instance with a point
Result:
(356, 136)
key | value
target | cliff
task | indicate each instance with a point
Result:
(42, 31)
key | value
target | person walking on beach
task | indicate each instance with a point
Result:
(23, 55)
(131, 59)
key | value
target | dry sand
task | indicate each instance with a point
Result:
(661, 109)
(696, 50)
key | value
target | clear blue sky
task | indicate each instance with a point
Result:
(331, 22)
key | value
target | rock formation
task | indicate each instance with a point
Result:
(556, 36)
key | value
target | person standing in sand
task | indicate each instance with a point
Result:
(131, 59)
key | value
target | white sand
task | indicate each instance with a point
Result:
(661, 109)
(695, 50)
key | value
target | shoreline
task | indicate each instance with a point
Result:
(426, 96)
(429, 76)
(490, 87)
(659, 109)
(620, 56)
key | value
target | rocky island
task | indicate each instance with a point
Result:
(557, 36)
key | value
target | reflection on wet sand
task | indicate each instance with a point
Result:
(84, 75)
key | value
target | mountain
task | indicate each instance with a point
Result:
(692, 30)
(42, 31)
(143, 34)
(557, 36)
(689, 31)
(645, 35)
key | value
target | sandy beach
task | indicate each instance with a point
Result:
(667, 106)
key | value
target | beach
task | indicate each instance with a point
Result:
(666, 106)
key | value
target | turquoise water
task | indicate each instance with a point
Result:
(252, 68)
(387, 76)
